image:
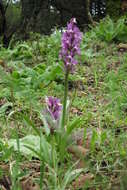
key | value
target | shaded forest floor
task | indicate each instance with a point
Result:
(98, 110)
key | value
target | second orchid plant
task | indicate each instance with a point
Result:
(55, 111)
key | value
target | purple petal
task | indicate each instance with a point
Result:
(71, 40)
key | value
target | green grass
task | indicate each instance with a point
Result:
(98, 104)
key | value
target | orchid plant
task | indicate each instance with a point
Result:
(71, 40)
(52, 151)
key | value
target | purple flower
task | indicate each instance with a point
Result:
(54, 107)
(71, 40)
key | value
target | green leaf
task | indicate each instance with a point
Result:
(93, 140)
(70, 175)
(76, 122)
(29, 145)
(46, 127)
(31, 124)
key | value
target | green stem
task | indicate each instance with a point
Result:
(65, 100)
(12, 97)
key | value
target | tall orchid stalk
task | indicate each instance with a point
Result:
(54, 111)
(71, 40)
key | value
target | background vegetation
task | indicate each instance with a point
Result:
(44, 15)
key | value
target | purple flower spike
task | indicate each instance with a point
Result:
(71, 40)
(54, 107)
